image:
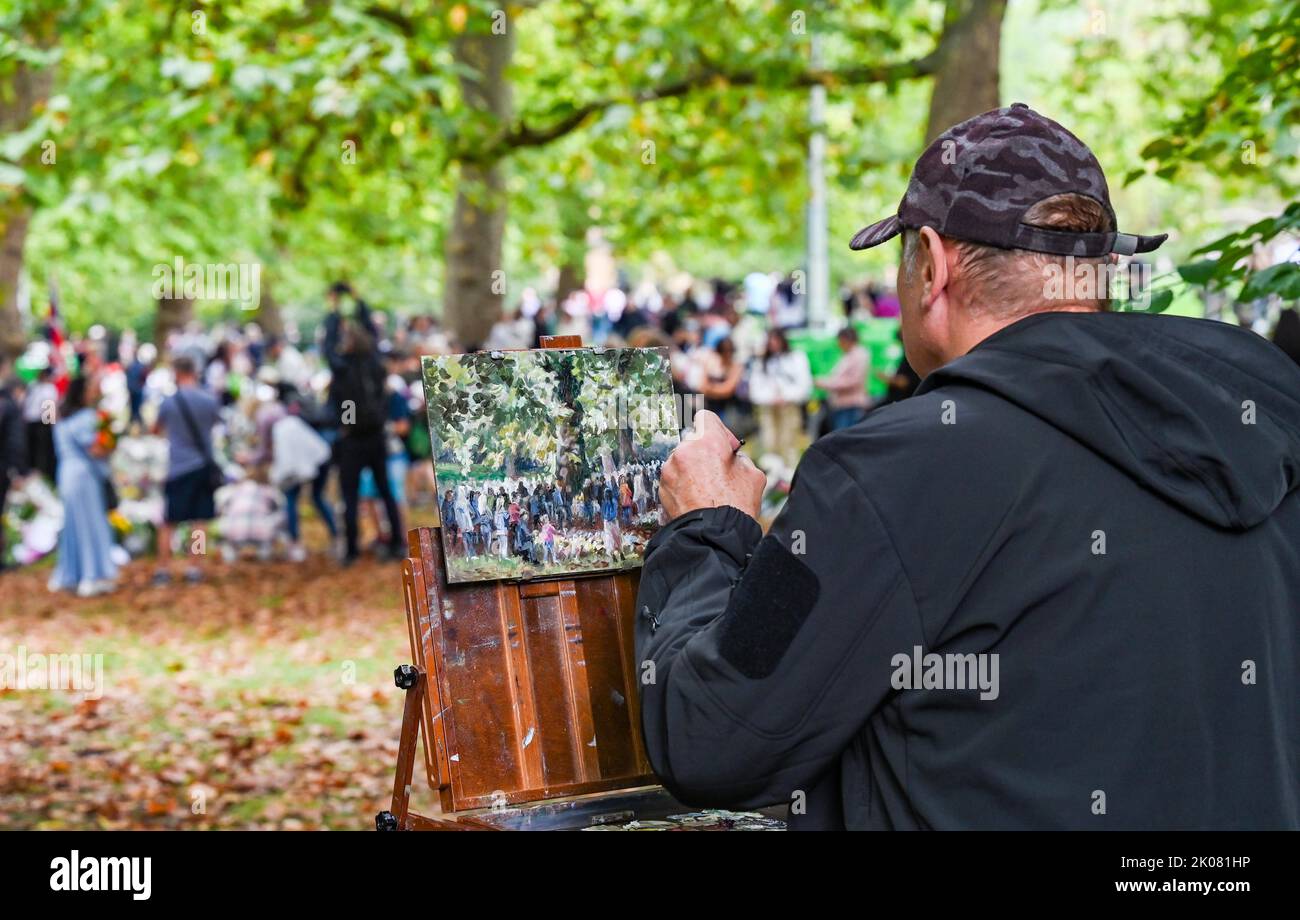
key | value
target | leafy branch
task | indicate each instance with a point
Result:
(527, 132)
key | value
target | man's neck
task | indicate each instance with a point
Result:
(981, 327)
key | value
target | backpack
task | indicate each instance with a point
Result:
(363, 386)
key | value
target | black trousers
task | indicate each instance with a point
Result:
(354, 453)
(4, 493)
(40, 449)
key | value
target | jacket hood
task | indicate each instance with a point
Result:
(1205, 414)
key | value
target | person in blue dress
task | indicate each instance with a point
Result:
(85, 545)
(608, 501)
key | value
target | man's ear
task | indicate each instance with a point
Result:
(933, 256)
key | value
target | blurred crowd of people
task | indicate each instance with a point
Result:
(730, 344)
(218, 433)
(547, 522)
(221, 431)
(218, 441)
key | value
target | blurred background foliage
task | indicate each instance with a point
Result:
(413, 147)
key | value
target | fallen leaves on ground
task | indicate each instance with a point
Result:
(262, 697)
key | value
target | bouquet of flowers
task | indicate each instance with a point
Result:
(139, 469)
(32, 522)
(105, 436)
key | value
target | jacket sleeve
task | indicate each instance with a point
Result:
(761, 657)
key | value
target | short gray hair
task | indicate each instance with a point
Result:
(910, 237)
(1010, 281)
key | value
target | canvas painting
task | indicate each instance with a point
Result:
(547, 462)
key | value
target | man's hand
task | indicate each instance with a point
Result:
(705, 472)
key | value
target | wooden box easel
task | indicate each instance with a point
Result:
(525, 697)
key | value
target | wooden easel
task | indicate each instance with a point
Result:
(525, 696)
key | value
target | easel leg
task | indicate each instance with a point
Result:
(411, 679)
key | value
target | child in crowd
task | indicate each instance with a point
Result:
(250, 513)
(547, 534)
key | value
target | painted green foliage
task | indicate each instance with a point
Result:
(549, 412)
(564, 435)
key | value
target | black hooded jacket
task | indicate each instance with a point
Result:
(1105, 502)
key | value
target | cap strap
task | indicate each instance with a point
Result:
(1125, 244)
(1082, 245)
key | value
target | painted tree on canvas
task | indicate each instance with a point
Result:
(486, 412)
(559, 414)
(616, 400)
(572, 438)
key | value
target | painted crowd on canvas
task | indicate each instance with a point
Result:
(547, 462)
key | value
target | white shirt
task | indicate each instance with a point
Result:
(293, 368)
(784, 379)
(38, 398)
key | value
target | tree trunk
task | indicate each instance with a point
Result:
(14, 219)
(475, 282)
(626, 449)
(573, 251)
(173, 314)
(569, 280)
(475, 285)
(569, 436)
(27, 91)
(269, 317)
(966, 81)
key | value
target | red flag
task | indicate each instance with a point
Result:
(54, 335)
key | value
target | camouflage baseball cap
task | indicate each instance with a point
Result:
(977, 180)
